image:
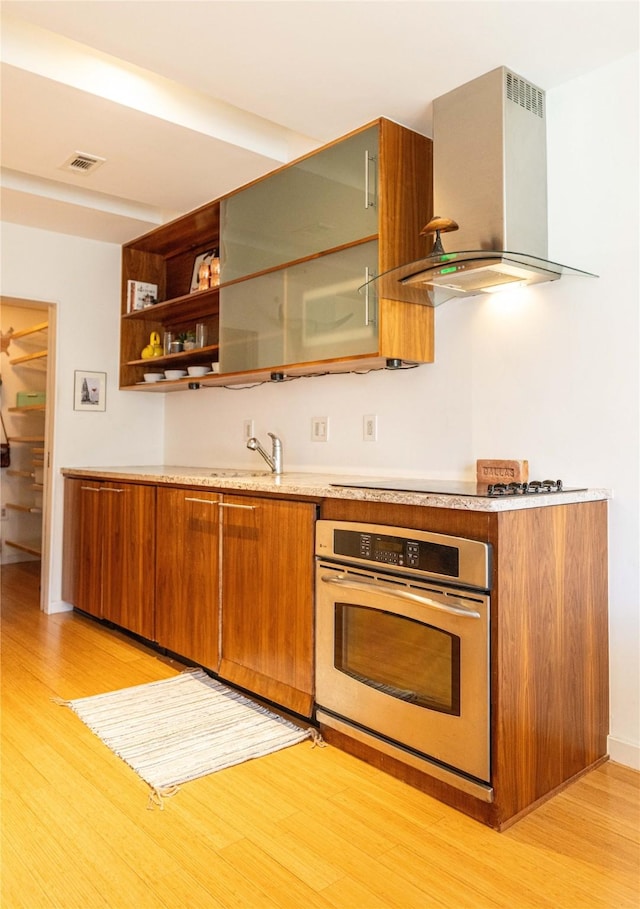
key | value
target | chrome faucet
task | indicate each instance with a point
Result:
(274, 460)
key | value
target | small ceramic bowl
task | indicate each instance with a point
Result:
(197, 370)
(215, 367)
(153, 376)
(175, 373)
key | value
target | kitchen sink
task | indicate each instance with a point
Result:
(238, 472)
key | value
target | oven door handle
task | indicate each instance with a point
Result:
(455, 608)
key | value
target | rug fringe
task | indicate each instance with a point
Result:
(316, 738)
(157, 796)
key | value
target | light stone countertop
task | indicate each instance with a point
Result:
(318, 485)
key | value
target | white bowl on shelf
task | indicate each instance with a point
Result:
(197, 370)
(153, 376)
(175, 373)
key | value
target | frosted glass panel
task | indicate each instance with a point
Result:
(309, 312)
(325, 201)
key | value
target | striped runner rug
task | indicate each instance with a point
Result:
(183, 728)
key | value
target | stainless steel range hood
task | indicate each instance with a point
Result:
(490, 175)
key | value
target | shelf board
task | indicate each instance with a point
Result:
(28, 358)
(34, 547)
(178, 306)
(27, 408)
(185, 356)
(19, 439)
(30, 509)
(25, 332)
(25, 474)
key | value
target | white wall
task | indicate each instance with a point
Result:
(551, 376)
(82, 277)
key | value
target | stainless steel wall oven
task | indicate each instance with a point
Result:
(402, 646)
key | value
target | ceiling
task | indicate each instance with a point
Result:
(190, 99)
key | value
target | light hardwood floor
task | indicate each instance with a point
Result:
(307, 827)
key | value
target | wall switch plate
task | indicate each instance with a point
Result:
(370, 427)
(247, 429)
(319, 429)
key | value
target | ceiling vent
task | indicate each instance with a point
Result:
(82, 163)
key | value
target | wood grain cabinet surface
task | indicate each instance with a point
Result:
(268, 601)
(109, 552)
(187, 574)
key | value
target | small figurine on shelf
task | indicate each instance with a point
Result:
(214, 269)
(204, 273)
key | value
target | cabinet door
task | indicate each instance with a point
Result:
(324, 201)
(267, 599)
(187, 574)
(128, 540)
(83, 546)
(304, 314)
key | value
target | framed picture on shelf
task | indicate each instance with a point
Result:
(90, 390)
(140, 295)
(201, 281)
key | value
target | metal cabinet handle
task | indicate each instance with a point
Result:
(368, 160)
(201, 501)
(89, 489)
(231, 505)
(110, 489)
(453, 608)
(369, 319)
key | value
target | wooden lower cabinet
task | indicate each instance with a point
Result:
(267, 599)
(224, 581)
(549, 648)
(187, 574)
(109, 552)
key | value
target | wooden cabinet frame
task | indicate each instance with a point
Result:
(166, 255)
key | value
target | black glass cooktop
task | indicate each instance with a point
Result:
(460, 487)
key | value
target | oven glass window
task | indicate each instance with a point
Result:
(399, 656)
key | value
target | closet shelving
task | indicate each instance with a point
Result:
(30, 449)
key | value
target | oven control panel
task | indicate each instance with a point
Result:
(411, 551)
(380, 548)
(399, 551)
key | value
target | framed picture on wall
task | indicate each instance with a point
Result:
(90, 390)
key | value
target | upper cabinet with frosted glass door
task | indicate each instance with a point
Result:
(297, 245)
(322, 202)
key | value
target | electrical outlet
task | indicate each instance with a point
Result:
(370, 427)
(319, 429)
(3, 514)
(247, 429)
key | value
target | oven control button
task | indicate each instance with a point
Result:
(413, 554)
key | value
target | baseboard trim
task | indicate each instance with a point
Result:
(624, 753)
(58, 606)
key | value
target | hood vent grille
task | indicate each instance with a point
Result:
(523, 93)
(82, 163)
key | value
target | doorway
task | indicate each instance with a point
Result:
(27, 386)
